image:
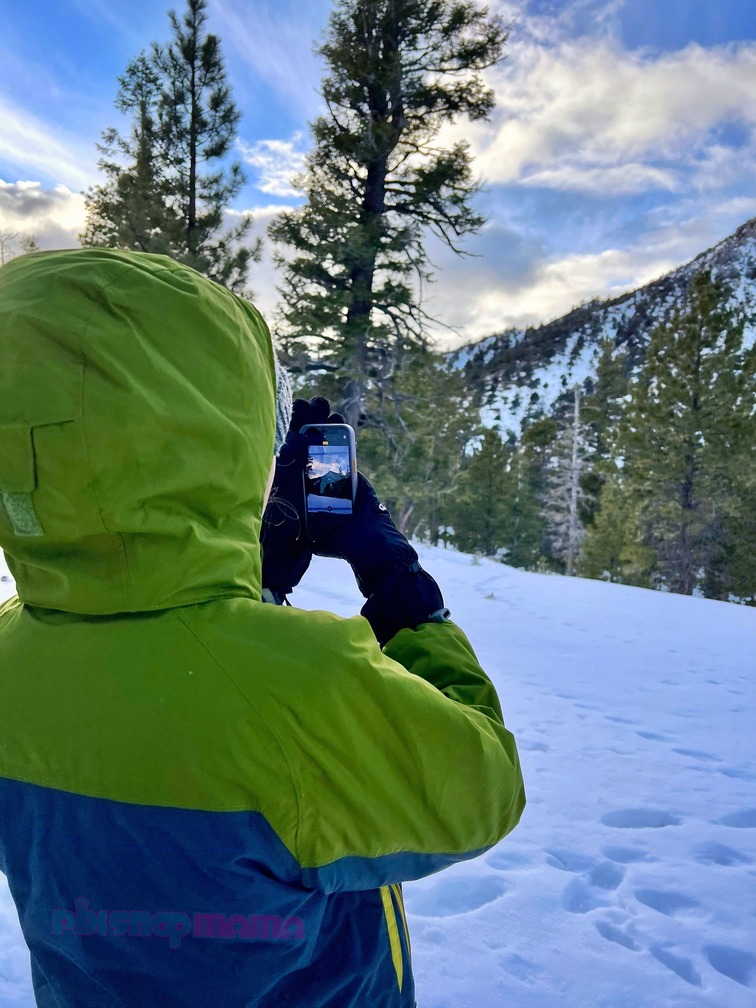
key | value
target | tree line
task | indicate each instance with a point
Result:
(643, 475)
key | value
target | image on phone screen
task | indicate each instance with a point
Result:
(328, 479)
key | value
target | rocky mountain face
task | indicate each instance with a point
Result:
(523, 373)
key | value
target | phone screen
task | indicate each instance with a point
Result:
(328, 473)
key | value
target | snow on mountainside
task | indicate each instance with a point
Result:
(631, 880)
(525, 371)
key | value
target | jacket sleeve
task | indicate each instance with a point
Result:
(403, 764)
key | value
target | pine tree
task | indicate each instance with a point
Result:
(132, 209)
(604, 405)
(736, 578)
(376, 181)
(526, 542)
(165, 188)
(613, 548)
(731, 567)
(689, 429)
(481, 512)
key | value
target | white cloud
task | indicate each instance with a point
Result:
(275, 161)
(55, 216)
(558, 286)
(614, 181)
(263, 276)
(588, 106)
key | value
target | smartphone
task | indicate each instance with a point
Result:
(330, 475)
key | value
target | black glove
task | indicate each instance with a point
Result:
(367, 539)
(404, 600)
(287, 551)
(399, 592)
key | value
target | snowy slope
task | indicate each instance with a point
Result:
(522, 372)
(631, 881)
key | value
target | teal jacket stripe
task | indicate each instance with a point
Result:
(147, 906)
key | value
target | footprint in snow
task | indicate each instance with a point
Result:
(625, 855)
(532, 746)
(734, 963)
(698, 755)
(521, 968)
(506, 860)
(738, 773)
(680, 965)
(742, 819)
(452, 896)
(579, 897)
(569, 861)
(671, 904)
(640, 818)
(720, 854)
(614, 934)
(606, 875)
(590, 890)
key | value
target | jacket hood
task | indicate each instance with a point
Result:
(137, 417)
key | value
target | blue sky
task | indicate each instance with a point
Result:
(622, 144)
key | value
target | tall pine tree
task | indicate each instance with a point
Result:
(481, 514)
(132, 210)
(614, 548)
(167, 189)
(690, 426)
(377, 181)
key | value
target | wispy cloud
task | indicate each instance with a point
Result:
(613, 180)
(275, 163)
(28, 143)
(275, 39)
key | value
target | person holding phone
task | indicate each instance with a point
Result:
(205, 799)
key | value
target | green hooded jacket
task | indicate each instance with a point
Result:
(204, 799)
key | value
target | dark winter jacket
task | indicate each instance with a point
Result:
(204, 800)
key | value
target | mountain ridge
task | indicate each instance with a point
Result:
(522, 372)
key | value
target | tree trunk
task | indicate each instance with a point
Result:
(359, 314)
(403, 518)
(191, 224)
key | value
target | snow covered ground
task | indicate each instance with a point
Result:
(631, 880)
